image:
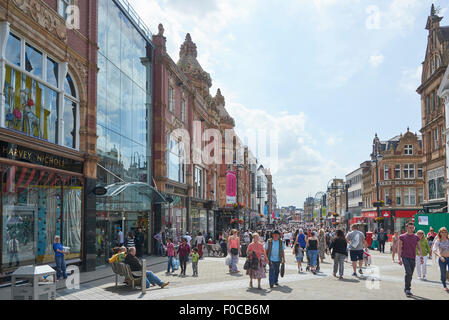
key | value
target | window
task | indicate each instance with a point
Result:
(435, 139)
(386, 172)
(427, 105)
(32, 96)
(183, 110)
(175, 163)
(420, 171)
(432, 70)
(409, 171)
(63, 5)
(408, 149)
(199, 182)
(171, 98)
(436, 184)
(398, 197)
(433, 101)
(387, 197)
(438, 62)
(410, 197)
(397, 171)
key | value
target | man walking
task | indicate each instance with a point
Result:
(275, 253)
(408, 243)
(139, 241)
(382, 239)
(357, 243)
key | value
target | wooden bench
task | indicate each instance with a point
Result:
(122, 269)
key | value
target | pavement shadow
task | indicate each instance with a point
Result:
(418, 298)
(283, 289)
(260, 292)
(123, 290)
(349, 280)
(430, 281)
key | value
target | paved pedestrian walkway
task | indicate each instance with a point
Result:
(383, 280)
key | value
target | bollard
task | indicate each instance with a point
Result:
(144, 276)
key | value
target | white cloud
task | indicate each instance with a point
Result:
(376, 60)
(411, 79)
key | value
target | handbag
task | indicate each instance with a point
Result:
(282, 272)
(234, 251)
(247, 264)
(228, 261)
(175, 264)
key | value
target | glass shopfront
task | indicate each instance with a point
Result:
(174, 222)
(123, 127)
(37, 205)
(198, 220)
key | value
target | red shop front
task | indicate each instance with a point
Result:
(402, 217)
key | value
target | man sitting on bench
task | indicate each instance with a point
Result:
(134, 265)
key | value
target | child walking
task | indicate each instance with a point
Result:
(195, 257)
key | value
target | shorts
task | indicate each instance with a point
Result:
(356, 255)
(300, 256)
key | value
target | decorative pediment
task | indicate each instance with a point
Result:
(45, 16)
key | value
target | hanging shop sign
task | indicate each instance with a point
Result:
(231, 187)
(19, 153)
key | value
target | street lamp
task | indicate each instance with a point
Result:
(376, 156)
(336, 188)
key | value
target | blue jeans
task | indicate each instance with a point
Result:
(409, 265)
(170, 264)
(152, 279)
(443, 267)
(60, 267)
(235, 259)
(313, 254)
(274, 272)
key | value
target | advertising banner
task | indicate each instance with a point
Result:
(423, 220)
(231, 187)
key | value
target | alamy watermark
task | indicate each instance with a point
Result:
(211, 146)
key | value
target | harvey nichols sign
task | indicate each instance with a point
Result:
(397, 183)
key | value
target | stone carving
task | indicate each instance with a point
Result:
(43, 16)
(161, 30)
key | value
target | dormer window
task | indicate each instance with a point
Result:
(408, 149)
(438, 62)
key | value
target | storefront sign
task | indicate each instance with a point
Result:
(371, 214)
(231, 190)
(23, 154)
(397, 183)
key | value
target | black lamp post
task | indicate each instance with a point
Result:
(375, 157)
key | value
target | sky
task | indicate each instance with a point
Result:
(323, 75)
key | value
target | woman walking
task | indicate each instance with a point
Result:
(171, 255)
(130, 240)
(441, 250)
(199, 240)
(298, 252)
(183, 253)
(234, 250)
(312, 250)
(421, 267)
(322, 247)
(395, 244)
(339, 253)
(375, 243)
(257, 255)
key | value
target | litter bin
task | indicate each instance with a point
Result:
(38, 285)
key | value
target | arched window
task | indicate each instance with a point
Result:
(36, 103)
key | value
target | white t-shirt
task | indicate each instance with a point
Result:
(200, 239)
(188, 238)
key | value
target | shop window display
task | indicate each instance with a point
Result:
(36, 206)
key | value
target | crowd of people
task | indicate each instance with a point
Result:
(308, 244)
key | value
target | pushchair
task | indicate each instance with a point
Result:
(309, 267)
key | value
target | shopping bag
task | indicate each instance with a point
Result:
(175, 264)
(228, 261)
(247, 264)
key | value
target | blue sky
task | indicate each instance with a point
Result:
(325, 74)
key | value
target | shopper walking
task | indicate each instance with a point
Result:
(298, 252)
(441, 250)
(357, 244)
(375, 243)
(408, 243)
(382, 238)
(339, 253)
(171, 255)
(421, 267)
(394, 244)
(183, 254)
(234, 250)
(199, 241)
(195, 257)
(431, 235)
(139, 240)
(275, 252)
(322, 247)
(130, 240)
(312, 251)
(257, 257)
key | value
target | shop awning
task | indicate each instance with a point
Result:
(130, 196)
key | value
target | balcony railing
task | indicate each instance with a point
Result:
(135, 17)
